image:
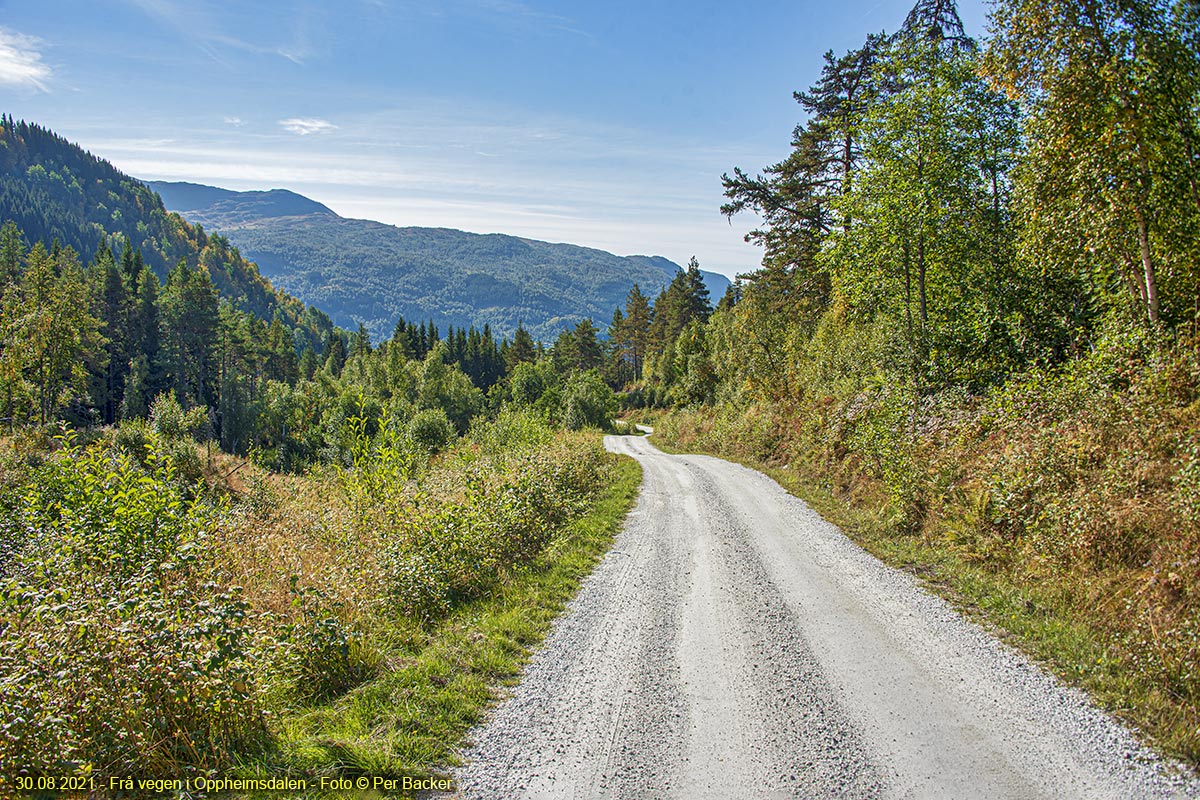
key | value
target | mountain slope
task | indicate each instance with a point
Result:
(223, 208)
(369, 272)
(54, 190)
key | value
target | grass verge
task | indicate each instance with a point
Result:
(411, 720)
(1048, 620)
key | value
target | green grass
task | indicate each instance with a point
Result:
(412, 719)
(1045, 620)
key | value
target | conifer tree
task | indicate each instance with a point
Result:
(522, 349)
(189, 319)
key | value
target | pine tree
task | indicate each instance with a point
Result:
(401, 345)
(588, 352)
(797, 198)
(114, 307)
(698, 305)
(628, 336)
(11, 250)
(308, 364)
(281, 361)
(522, 349)
(189, 319)
(335, 349)
(360, 344)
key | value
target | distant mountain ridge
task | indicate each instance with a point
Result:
(54, 191)
(359, 271)
(222, 208)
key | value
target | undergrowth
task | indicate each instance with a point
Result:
(167, 612)
(1063, 506)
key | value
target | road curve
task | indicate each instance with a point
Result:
(732, 644)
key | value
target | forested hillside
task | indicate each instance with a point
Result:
(55, 191)
(213, 533)
(973, 337)
(366, 272)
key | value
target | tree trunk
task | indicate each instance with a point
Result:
(921, 279)
(908, 293)
(1147, 264)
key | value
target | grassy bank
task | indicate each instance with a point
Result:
(169, 613)
(411, 719)
(1060, 510)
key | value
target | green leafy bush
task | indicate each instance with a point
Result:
(587, 402)
(116, 654)
(316, 657)
(430, 430)
(169, 420)
(512, 431)
(455, 546)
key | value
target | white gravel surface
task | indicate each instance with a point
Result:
(733, 644)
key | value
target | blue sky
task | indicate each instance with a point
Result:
(606, 124)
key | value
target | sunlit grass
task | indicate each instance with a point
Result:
(1074, 620)
(411, 719)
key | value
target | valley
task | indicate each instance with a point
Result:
(292, 499)
(359, 271)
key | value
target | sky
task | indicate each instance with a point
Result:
(606, 124)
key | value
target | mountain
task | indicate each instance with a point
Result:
(222, 208)
(359, 271)
(56, 191)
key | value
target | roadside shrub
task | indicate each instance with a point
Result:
(117, 656)
(430, 430)
(457, 546)
(316, 656)
(512, 431)
(588, 402)
(886, 437)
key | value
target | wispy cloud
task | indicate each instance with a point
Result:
(518, 11)
(21, 62)
(521, 11)
(200, 25)
(303, 126)
(512, 15)
(236, 122)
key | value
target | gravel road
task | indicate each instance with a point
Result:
(733, 644)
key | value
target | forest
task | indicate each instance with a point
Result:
(239, 540)
(973, 339)
(228, 528)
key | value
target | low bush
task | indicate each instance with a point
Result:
(587, 402)
(117, 655)
(430, 431)
(315, 656)
(458, 545)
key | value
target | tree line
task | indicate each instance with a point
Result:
(98, 343)
(966, 212)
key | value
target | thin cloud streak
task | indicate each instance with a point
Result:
(527, 14)
(21, 63)
(192, 23)
(306, 126)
